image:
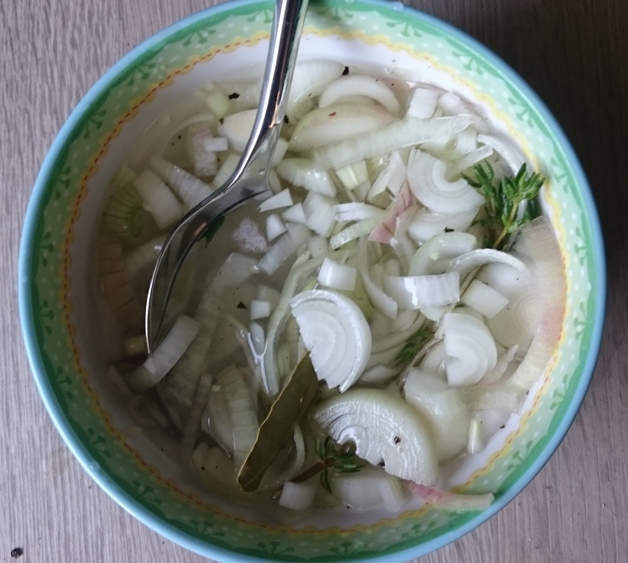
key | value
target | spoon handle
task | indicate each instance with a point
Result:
(250, 177)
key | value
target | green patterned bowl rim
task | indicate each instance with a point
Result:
(29, 321)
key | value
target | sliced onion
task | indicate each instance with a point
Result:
(360, 85)
(425, 224)
(470, 349)
(484, 299)
(301, 172)
(469, 159)
(318, 246)
(336, 333)
(274, 227)
(450, 501)
(168, 353)
(427, 180)
(466, 263)
(377, 374)
(357, 212)
(506, 149)
(395, 213)
(143, 257)
(202, 147)
(443, 407)
(383, 428)
(285, 247)
(309, 80)
(354, 231)
(260, 309)
(391, 137)
(475, 443)
(378, 297)
(336, 123)
(537, 239)
(419, 292)
(422, 104)
(353, 175)
(391, 178)
(435, 254)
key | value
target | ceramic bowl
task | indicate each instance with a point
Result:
(58, 300)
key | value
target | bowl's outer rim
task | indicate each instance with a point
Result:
(61, 422)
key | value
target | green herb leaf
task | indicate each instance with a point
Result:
(510, 203)
(412, 347)
(286, 411)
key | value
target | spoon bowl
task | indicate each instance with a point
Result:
(250, 177)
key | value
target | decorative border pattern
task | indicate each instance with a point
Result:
(49, 289)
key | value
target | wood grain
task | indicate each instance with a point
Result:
(574, 53)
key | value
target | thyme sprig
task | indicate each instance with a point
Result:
(341, 459)
(412, 347)
(510, 203)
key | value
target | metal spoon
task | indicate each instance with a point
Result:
(251, 175)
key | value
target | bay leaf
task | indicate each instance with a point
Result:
(285, 412)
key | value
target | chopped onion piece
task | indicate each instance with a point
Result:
(337, 276)
(419, 292)
(368, 488)
(260, 309)
(435, 254)
(484, 299)
(537, 239)
(278, 201)
(353, 175)
(426, 178)
(200, 153)
(281, 147)
(309, 80)
(274, 227)
(237, 128)
(336, 334)
(218, 102)
(444, 409)
(360, 85)
(190, 189)
(295, 214)
(161, 202)
(226, 170)
(160, 362)
(298, 496)
(422, 104)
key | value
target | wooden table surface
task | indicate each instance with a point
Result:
(574, 53)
